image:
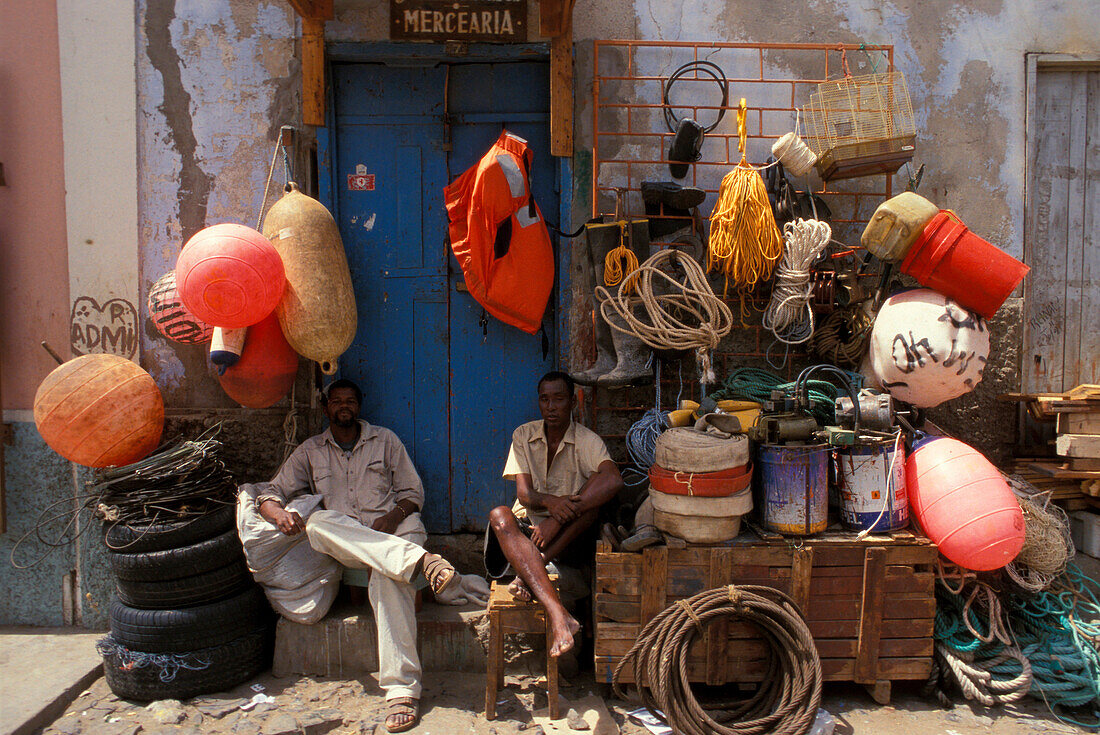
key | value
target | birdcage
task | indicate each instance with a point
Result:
(862, 125)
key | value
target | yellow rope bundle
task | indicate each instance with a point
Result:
(613, 264)
(745, 243)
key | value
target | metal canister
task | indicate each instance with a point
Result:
(794, 487)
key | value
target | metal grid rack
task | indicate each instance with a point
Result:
(631, 142)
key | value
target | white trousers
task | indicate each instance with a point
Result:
(392, 559)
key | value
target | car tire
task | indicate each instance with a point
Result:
(197, 589)
(133, 539)
(190, 628)
(185, 561)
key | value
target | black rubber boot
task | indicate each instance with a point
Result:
(685, 147)
(668, 206)
(602, 238)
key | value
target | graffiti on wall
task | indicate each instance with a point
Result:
(109, 328)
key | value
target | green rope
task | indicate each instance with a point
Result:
(754, 384)
(1055, 632)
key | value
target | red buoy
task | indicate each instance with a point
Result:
(171, 317)
(99, 411)
(964, 504)
(230, 276)
(266, 369)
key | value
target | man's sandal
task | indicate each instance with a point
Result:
(398, 707)
(438, 571)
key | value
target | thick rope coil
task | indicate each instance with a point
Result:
(793, 153)
(788, 315)
(788, 697)
(672, 315)
(843, 337)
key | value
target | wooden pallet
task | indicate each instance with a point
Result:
(869, 604)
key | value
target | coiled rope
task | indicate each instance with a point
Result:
(674, 315)
(792, 152)
(613, 268)
(973, 646)
(641, 437)
(744, 243)
(843, 337)
(788, 315)
(789, 694)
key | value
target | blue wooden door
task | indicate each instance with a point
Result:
(452, 386)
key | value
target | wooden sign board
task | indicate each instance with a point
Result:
(458, 20)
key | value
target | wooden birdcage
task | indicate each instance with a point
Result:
(862, 125)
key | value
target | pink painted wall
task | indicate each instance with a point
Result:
(34, 270)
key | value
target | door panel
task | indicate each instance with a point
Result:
(452, 388)
(1062, 293)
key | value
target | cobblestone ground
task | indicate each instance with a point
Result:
(453, 704)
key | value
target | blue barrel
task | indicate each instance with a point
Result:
(872, 488)
(794, 485)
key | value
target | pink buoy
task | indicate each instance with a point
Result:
(964, 504)
(266, 369)
(230, 276)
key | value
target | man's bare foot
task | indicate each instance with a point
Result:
(562, 633)
(519, 590)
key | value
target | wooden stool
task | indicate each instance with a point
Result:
(509, 615)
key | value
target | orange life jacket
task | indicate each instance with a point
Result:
(499, 236)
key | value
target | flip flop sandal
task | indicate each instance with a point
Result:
(439, 572)
(402, 706)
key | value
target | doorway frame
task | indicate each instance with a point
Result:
(430, 54)
(1034, 61)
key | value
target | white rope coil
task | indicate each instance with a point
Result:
(792, 151)
(789, 315)
(674, 315)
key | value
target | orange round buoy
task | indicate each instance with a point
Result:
(230, 276)
(964, 504)
(171, 317)
(266, 369)
(100, 411)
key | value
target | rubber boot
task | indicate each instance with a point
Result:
(601, 240)
(632, 356)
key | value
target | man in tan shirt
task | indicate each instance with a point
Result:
(563, 474)
(372, 496)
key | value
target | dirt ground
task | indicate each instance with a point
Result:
(453, 702)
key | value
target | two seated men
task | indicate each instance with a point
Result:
(370, 519)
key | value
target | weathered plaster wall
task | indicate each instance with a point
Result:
(215, 82)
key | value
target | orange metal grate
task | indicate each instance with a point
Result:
(631, 142)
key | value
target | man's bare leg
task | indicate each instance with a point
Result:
(559, 543)
(528, 562)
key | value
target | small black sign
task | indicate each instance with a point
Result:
(458, 20)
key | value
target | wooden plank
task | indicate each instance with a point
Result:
(551, 17)
(1079, 423)
(717, 635)
(1060, 472)
(654, 582)
(683, 582)
(891, 669)
(561, 88)
(870, 617)
(313, 71)
(1078, 445)
(619, 609)
(801, 570)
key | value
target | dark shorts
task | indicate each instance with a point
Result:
(580, 554)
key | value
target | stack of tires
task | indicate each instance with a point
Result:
(188, 618)
(700, 485)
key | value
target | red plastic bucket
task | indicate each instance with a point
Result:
(949, 258)
(720, 484)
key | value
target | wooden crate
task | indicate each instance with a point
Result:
(869, 604)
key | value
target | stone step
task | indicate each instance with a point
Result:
(345, 642)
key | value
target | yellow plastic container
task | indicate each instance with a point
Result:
(896, 225)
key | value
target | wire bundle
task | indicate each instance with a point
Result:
(789, 695)
(744, 240)
(788, 315)
(182, 481)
